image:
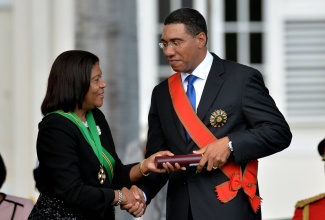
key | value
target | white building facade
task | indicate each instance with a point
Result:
(284, 39)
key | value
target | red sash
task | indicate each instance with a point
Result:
(202, 136)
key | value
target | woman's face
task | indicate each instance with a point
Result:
(95, 95)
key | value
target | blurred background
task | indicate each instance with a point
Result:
(284, 39)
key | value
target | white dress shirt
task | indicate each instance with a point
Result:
(201, 72)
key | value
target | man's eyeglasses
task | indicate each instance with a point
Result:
(174, 44)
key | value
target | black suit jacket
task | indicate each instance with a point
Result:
(68, 167)
(255, 126)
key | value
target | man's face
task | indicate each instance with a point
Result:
(180, 48)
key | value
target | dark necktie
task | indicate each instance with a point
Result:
(191, 94)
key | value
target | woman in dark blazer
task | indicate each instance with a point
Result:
(80, 176)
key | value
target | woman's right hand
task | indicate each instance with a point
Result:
(149, 164)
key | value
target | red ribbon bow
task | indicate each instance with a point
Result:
(247, 181)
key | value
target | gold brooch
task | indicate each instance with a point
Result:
(218, 118)
(101, 174)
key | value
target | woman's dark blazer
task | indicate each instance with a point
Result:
(68, 166)
(255, 126)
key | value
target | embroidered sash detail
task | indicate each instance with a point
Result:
(202, 136)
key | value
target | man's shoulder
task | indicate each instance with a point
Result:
(230, 66)
(308, 201)
(164, 83)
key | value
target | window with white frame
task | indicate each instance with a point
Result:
(243, 26)
(243, 31)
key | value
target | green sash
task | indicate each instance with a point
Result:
(93, 139)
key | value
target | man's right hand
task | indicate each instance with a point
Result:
(133, 201)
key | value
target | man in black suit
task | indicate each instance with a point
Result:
(233, 105)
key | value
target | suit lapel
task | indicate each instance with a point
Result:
(211, 88)
(210, 91)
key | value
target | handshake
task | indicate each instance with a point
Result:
(132, 200)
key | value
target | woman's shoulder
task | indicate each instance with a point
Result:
(55, 120)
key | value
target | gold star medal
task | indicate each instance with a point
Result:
(218, 118)
(101, 174)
